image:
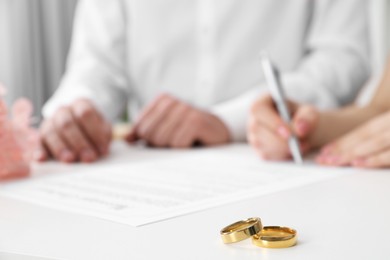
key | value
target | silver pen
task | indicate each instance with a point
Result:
(272, 78)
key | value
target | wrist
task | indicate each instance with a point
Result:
(225, 133)
(317, 137)
(213, 124)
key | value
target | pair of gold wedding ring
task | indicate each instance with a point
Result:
(268, 237)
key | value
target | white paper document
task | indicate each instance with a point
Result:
(16, 256)
(157, 188)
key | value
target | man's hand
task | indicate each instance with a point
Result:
(269, 134)
(368, 146)
(168, 122)
(75, 133)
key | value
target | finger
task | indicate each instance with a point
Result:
(71, 133)
(349, 142)
(268, 145)
(273, 148)
(149, 124)
(333, 160)
(305, 146)
(370, 146)
(168, 127)
(40, 154)
(253, 137)
(107, 129)
(265, 113)
(329, 155)
(252, 132)
(381, 160)
(185, 136)
(93, 126)
(256, 144)
(305, 120)
(211, 130)
(341, 146)
(132, 136)
(55, 144)
(149, 109)
(19, 171)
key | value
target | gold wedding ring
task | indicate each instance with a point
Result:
(241, 230)
(275, 237)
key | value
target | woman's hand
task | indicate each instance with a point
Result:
(368, 146)
(269, 134)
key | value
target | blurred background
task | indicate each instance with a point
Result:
(35, 37)
(34, 41)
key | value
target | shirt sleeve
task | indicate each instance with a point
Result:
(96, 63)
(334, 68)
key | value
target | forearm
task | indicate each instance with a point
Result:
(234, 112)
(382, 96)
(97, 60)
(108, 100)
(335, 123)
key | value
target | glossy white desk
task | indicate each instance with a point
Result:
(341, 218)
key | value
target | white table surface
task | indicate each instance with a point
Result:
(341, 218)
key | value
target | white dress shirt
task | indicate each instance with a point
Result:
(205, 52)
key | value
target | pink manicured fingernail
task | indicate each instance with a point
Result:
(324, 159)
(320, 159)
(283, 132)
(66, 156)
(359, 163)
(87, 155)
(334, 160)
(330, 159)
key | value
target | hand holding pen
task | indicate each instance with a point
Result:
(269, 134)
(280, 129)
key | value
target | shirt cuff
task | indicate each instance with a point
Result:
(234, 113)
(65, 97)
